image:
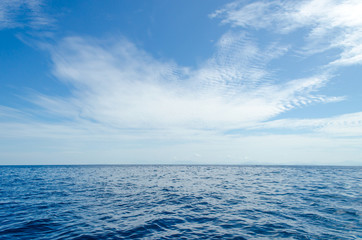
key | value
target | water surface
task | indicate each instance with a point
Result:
(180, 202)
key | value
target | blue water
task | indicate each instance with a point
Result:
(180, 202)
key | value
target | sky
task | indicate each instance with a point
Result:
(181, 82)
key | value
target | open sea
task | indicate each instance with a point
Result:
(180, 202)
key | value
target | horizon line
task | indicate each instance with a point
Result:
(175, 164)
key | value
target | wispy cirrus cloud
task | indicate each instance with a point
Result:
(344, 125)
(22, 13)
(331, 24)
(116, 84)
(119, 85)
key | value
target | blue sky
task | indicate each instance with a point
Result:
(184, 82)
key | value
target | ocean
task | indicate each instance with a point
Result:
(180, 202)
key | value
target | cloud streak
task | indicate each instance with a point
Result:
(22, 13)
(331, 24)
(340, 126)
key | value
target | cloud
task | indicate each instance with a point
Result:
(10, 113)
(116, 84)
(331, 24)
(341, 126)
(21, 13)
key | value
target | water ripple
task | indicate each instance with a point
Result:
(180, 202)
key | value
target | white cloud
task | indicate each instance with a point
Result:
(121, 86)
(114, 87)
(10, 113)
(330, 23)
(20, 13)
(342, 125)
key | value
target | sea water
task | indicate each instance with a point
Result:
(180, 202)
